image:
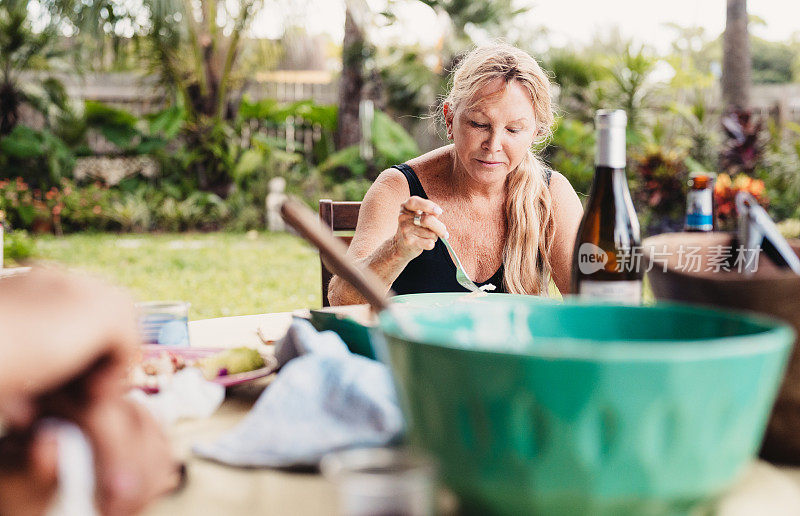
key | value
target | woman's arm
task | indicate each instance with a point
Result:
(567, 214)
(386, 238)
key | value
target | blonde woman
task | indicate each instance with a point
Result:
(510, 220)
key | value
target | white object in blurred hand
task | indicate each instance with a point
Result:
(187, 395)
(76, 481)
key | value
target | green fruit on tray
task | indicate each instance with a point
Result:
(231, 361)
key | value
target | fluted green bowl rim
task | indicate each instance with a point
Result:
(765, 334)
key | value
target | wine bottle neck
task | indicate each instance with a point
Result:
(608, 174)
(607, 184)
(610, 148)
(610, 139)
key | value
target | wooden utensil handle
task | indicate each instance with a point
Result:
(310, 227)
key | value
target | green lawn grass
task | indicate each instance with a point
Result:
(220, 274)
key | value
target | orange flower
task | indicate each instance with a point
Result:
(57, 209)
(723, 182)
(96, 210)
(756, 187)
(742, 182)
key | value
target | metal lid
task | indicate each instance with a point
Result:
(608, 118)
(610, 125)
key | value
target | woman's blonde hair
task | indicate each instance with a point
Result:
(529, 214)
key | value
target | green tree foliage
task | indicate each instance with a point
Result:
(412, 77)
(24, 50)
(193, 46)
(772, 61)
(106, 34)
(39, 157)
(491, 17)
(577, 77)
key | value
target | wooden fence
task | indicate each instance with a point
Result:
(141, 94)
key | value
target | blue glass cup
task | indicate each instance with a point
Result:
(164, 322)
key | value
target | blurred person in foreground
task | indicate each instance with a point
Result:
(65, 345)
(511, 220)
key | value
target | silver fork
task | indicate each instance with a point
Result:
(461, 275)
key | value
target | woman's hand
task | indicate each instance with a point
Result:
(418, 227)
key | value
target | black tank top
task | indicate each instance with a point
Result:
(434, 271)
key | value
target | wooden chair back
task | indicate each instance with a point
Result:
(339, 216)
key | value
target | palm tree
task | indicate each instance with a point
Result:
(196, 57)
(736, 61)
(351, 84)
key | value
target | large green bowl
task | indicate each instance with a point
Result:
(575, 408)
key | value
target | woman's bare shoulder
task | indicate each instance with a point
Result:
(567, 207)
(560, 186)
(432, 162)
(432, 167)
(390, 182)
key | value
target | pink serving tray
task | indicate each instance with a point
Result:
(190, 353)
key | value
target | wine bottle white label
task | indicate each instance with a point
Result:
(628, 291)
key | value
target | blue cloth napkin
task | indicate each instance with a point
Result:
(323, 399)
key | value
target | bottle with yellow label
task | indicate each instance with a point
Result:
(607, 262)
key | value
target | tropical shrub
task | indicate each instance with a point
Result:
(780, 171)
(17, 247)
(22, 205)
(659, 189)
(571, 152)
(40, 158)
(789, 228)
(743, 147)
